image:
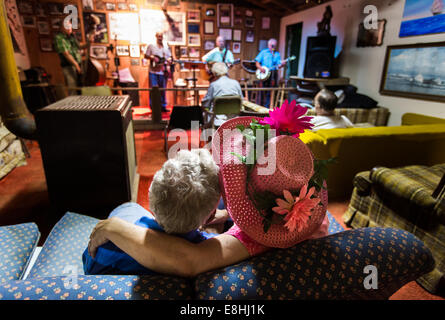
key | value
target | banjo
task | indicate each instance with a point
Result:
(266, 74)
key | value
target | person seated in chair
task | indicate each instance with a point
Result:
(222, 86)
(325, 102)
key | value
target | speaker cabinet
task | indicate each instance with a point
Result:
(320, 57)
(88, 152)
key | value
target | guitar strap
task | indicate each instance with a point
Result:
(224, 56)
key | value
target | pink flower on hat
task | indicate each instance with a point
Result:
(298, 209)
(288, 119)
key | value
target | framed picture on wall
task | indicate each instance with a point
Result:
(40, 10)
(46, 44)
(209, 45)
(87, 4)
(194, 40)
(422, 17)
(265, 23)
(237, 21)
(371, 37)
(25, 6)
(29, 22)
(135, 51)
(249, 13)
(183, 52)
(209, 27)
(99, 52)
(225, 14)
(43, 27)
(133, 7)
(100, 30)
(122, 6)
(193, 15)
(250, 36)
(135, 62)
(55, 8)
(122, 51)
(56, 23)
(250, 22)
(236, 47)
(226, 34)
(110, 6)
(193, 28)
(237, 34)
(412, 71)
(194, 53)
(99, 5)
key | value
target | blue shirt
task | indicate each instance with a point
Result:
(110, 259)
(269, 60)
(216, 55)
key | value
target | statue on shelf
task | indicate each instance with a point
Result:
(324, 26)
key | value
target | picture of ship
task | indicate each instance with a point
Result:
(437, 7)
(422, 17)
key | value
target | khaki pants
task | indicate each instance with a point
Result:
(71, 78)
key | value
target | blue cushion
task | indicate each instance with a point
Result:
(64, 246)
(101, 287)
(17, 243)
(327, 268)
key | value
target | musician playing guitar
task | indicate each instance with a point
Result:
(271, 59)
(159, 56)
(219, 54)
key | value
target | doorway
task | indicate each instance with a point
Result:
(293, 43)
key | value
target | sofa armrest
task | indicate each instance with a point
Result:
(100, 287)
(362, 183)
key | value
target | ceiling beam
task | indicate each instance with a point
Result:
(281, 4)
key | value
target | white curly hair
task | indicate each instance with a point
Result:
(219, 69)
(185, 191)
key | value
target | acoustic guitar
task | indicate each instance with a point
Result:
(263, 76)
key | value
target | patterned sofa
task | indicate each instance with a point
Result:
(326, 268)
(411, 198)
(377, 117)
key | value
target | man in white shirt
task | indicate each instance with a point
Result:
(159, 56)
(325, 102)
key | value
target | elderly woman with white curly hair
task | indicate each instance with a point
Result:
(183, 196)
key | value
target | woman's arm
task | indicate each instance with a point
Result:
(165, 253)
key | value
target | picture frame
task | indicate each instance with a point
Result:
(100, 31)
(250, 22)
(210, 12)
(46, 44)
(193, 28)
(193, 15)
(250, 36)
(262, 44)
(87, 5)
(25, 7)
(122, 51)
(209, 27)
(43, 27)
(248, 13)
(56, 23)
(122, 6)
(133, 7)
(55, 8)
(40, 10)
(411, 71)
(99, 5)
(194, 40)
(29, 22)
(110, 6)
(226, 33)
(238, 21)
(99, 52)
(265, 23)
(422, 18)
(371, 37)
(183, 52)
(194, 52)
(225, 14)
(209, 45)
(135, 51)
(236, 47)
(135, 62)
(237, 35)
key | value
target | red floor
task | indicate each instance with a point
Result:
(24, 196)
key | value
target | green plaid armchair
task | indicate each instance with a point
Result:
(410, 198)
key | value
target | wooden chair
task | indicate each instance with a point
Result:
(223, 105)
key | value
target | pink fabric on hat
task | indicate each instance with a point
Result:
(295, 164)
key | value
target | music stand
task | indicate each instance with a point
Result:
(194, 66)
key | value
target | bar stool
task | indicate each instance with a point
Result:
(180, 84)
(191, 84)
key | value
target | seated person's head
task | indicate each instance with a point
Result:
(185, 192)
(325, 102)
(219, 69)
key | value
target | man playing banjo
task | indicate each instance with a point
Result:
(270, 59)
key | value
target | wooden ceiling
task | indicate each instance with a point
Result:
(277, 7)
